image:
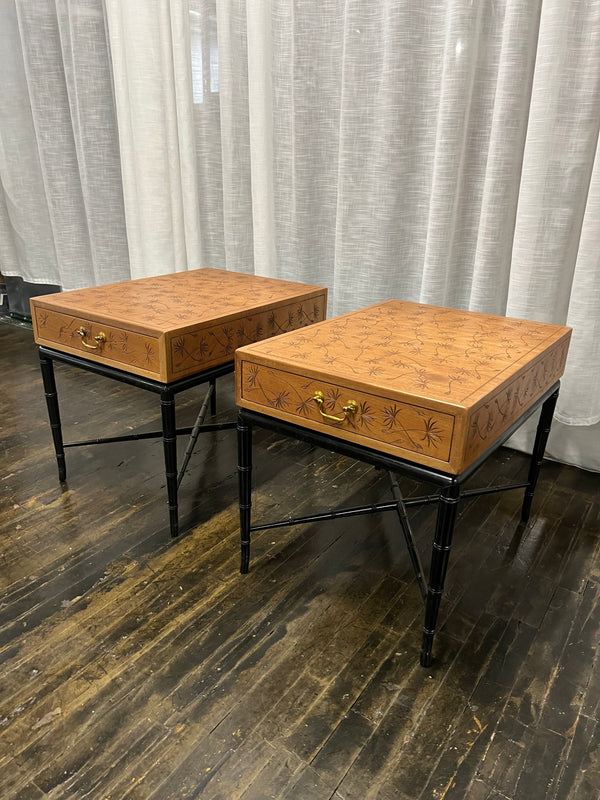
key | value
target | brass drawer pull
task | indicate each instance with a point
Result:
(100, 339)
(351, 407)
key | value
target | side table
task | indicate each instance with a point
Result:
(419, 390)
(165, 334)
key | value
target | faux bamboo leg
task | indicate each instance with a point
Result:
(213, 396)
(439, 564)
(195, 432)
(167, 404)
(53, 413)
(411, 547)
(244, 437)
(537, 455)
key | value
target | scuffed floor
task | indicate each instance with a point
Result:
(136, 667)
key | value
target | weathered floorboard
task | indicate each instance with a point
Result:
(133, 667)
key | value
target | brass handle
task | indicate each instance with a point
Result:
(100, 339)
(351, 407)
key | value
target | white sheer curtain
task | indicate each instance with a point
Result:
(61, 201)
(150, 47)
(443, 152)
(555, 268)
(437, 152)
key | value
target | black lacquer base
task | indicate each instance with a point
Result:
(447, 498)
(169, 431)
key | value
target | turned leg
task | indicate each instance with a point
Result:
(47, 367)
(213, 396)
(442, 543)
(537, 455)
(244, 437)
(167, 405)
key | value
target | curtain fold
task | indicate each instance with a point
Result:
(62, 210)
(234, 137)
(442, 152)
(554, 272)
(151, 58)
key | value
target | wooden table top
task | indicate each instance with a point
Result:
(164, 303)
(443, 354)
(171, 326)
(434, 385)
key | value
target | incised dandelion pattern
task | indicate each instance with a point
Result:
(421, 367)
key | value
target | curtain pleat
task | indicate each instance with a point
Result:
(153, 89)
(510, 93)
(554, 275)
(60, 164)
(441, 152)
(234, 136)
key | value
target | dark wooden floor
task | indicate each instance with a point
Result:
(133, 667)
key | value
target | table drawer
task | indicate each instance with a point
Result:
(117, 347)
(403, 429)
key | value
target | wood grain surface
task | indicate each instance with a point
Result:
(171, 326)
(135, 668)
(432, 384)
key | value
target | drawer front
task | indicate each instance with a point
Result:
(121, 348)
(210, 346)
(377, 422)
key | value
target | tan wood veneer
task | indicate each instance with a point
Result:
(172, 326)
(435, 385)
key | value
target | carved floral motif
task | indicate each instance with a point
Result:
(215, 344)
(399, 424)
(438, 352)
(435, 381)
(168, 302)
(175, 325)
(125, 347)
